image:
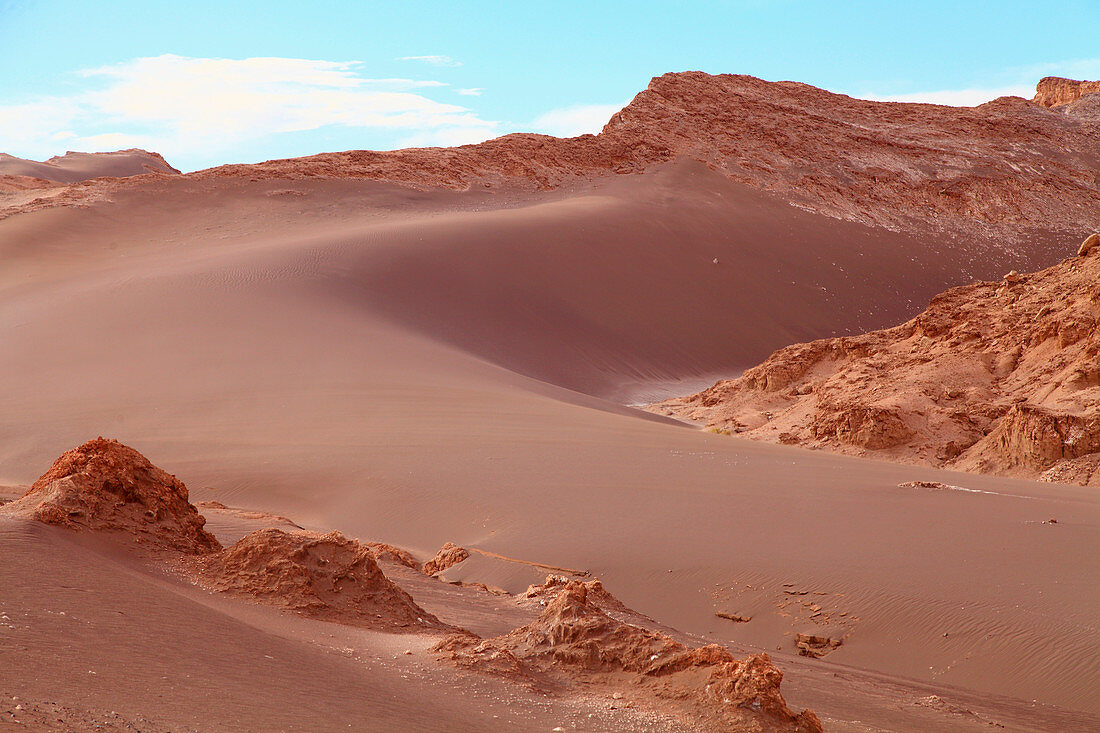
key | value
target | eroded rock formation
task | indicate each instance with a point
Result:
(106, 486)
(325, 576)
(573, 637)
(448, 556)
(992, 377)
(1055, 91)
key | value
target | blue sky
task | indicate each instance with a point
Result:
(206, 83)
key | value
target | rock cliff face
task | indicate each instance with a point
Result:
(1055, 91)
(992, 377)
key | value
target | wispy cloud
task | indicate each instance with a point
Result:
(182, 106)
(575, 120)
(433, 59)
(1018, 82)
(474, 92)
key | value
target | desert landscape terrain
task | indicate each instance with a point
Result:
(320, 370)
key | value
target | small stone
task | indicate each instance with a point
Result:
(617, 696)
(407, 651)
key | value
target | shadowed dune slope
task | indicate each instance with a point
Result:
(604, 288)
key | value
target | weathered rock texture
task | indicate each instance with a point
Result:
(324, 576)
(106, 486)
(992, 377)
(1010, 165)
(448, 556)
(573, 638)
(1055, 91)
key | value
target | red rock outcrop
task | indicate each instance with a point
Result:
(1008, 166)
(324, 576)
(595, 594)
(992, 377)
(1055, 91)
(1035, 438)
(448, 556)
(106, 486)
(574, 639)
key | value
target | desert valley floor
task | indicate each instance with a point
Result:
(417, 365)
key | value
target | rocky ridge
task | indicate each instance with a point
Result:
(1008, 166)
(992, 377)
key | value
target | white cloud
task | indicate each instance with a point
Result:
(575, 120)
(186, 106)
(474, 92)
(958, 97)
(434, 60)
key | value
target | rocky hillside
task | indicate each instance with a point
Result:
(996, 377)
(1009, 162)
(1008, 166)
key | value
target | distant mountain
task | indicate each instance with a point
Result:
(73, 167)
(1008, 166)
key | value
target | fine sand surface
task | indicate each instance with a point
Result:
(421, 367)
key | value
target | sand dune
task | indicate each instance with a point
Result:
(226, 345)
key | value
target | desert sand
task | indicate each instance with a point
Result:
(417, 357)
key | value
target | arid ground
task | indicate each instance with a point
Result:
(452, 345)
